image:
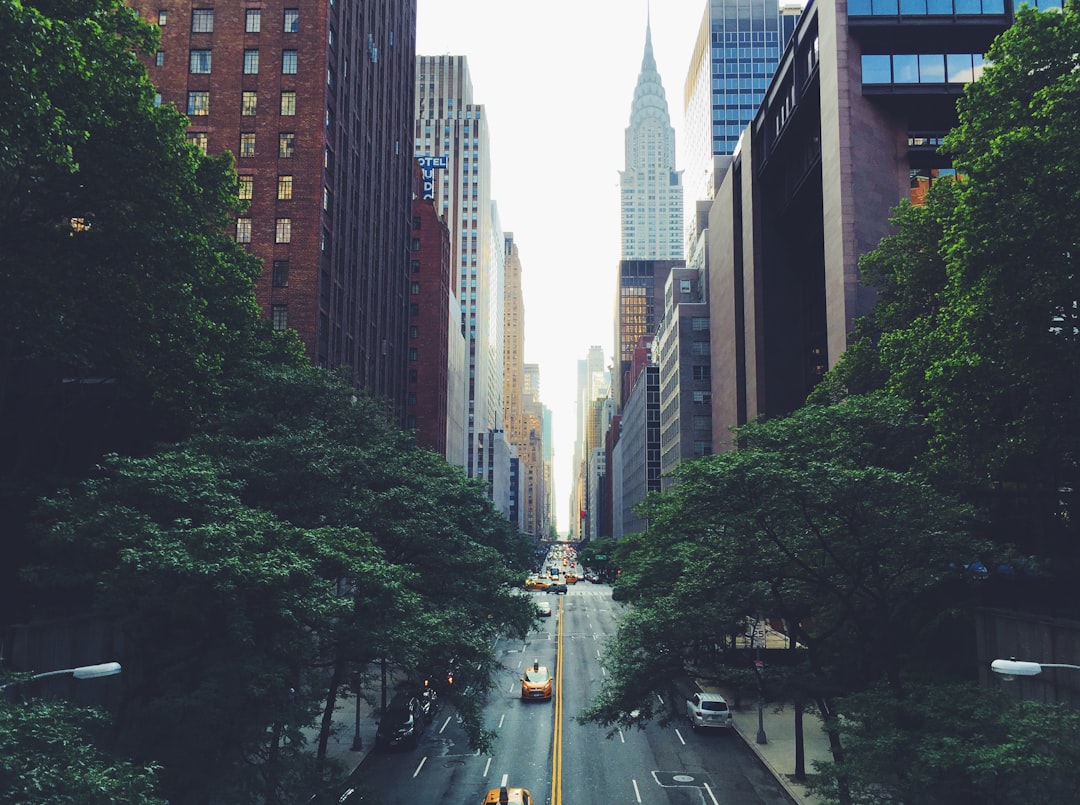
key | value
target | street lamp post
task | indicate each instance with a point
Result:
(82, 672)
(1014, 667)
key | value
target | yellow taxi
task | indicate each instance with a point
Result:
(508, 796)
(536, 583)
(571, 577)
(536, 682)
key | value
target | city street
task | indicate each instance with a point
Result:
(541, 747)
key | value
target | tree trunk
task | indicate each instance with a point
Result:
(835, 748)
(272, 757)
(328, 714)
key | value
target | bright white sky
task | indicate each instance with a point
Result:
(557, 80)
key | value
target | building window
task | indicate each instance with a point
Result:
(286, 144)
(413, 354)
(414, 331)
(199, 140)
(413, 375)
(279, 316)
(202, 20)
(288, 102)
(414, 266)
(247, 144)
(159, 59)
(199, 62)
(162, 17)
(283, 230)
(416, 244)
(327, 200)
(281, 273)
(251, 61)
(411, 399)
(248, 102)
(284, 188)
(414, 309)
(701, 373)
(292, 20)
(198, 103)
(414, 288)
(253, 20)
(247, 183)
(288, 62)
(243, 230)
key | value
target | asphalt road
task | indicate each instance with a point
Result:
(541, 747)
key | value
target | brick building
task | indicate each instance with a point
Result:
(315, 100)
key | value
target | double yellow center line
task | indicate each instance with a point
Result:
(556, 747)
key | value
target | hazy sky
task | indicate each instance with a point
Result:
(557, 80)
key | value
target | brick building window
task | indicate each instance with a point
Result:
(243, 230)
(414, 331)
(414, 376)
(281, 273)
(253, 20)
(414, 266)
(247, 144)
(288, 102)
(414, 288)
(198, 103)
(411, 400)
(288, 62)
(199, 62)
(199, 140)
(283, 230)
(251, 61)
(284, 188)
(202, 20)
(292, 20)
(162, 17)
(247, 184)
(159, 58)
(286, 144)
(248, 102)
(279, 317)
(414, 309)
(413, 354)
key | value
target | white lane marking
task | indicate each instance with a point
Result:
(504, 779)
(681, 739)
(423, 760)
(603, 670)
(711, 795)
(501, 719)
(487, 766)
(659, 699)
(621, 736)
(597, 653)
(445, 723)
(637, 794)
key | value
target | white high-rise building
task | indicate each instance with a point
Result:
(450, 124)
(650, 187)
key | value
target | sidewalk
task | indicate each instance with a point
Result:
(778, 752)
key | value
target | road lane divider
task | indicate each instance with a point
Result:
(557, 696)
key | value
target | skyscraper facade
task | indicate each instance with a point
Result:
(450, 124)
(737, 51)
(650, 187)
(315, 101)
(639, 306)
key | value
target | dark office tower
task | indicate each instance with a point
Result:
(639, 306)
(315, 100)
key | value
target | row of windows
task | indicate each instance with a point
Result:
(198, 103)
(922, 68)
(282, 230)
(200, 62)
(890, 8)
(284, 187)
(202, 20)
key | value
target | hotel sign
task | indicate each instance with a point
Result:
(427, 172)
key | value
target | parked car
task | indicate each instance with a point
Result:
(708, 710)
(402, 724)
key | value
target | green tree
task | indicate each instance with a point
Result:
(954, 744)
(50, 755)
(820, 521)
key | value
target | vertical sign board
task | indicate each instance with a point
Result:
(427, 172)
